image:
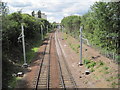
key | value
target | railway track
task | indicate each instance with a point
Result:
(68, 80)
(53, 71)
(42, 77)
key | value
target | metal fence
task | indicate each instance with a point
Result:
(109, 54)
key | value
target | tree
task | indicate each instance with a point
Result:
(71, 23)
(101, 25)
(11, 48)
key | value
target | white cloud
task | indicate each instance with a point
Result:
(51, 19)
(20, 4)
(54, 9)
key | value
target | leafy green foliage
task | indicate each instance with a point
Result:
(11, 48)
(71, 24)
(86, 61)
(101, 25)
(92, 64)
(89, 63)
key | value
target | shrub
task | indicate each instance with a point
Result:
(86, 61)
(92, 64)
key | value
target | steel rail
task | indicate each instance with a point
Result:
(36, 85)
(71, 77)
(48, 74)
(60, 69)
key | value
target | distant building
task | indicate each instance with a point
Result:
(43, 16)
(36, 15)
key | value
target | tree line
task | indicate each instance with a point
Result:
(12, 29)
(11, 47)
(101, 25)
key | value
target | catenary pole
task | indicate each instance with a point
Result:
(42, 32)
(80, 63)
(47, 28)
(62, 29)
(23, 42)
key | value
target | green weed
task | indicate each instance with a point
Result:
(35, 49)
(65, 36)
(78, 46)
(106, 72)
(112, 78)
(108, 80)
(114, 84)
(89, 63)
(86, 61)
(92, 64)
(92, 70)
(100, 63)
(105, 68)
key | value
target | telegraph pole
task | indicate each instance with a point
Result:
(23, 42)
(42, 32)
(80, 63)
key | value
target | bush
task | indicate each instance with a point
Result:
(90, 65)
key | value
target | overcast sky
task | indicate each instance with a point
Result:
(54, 9)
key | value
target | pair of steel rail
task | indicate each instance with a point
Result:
(65, 76)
